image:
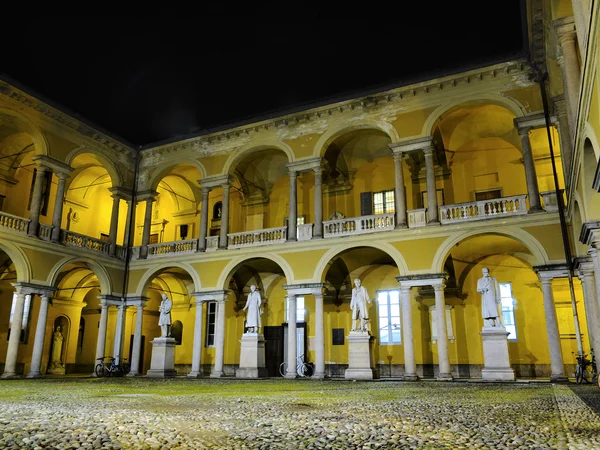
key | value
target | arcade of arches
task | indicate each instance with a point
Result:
(413, 191)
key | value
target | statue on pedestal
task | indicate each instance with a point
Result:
(253, 303)
(164, 320)
(360, 307)
(57, 343)
(489, 289)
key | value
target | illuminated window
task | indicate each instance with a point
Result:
(299, 309)
(211, 320)
(383, 202)
(388, 303)
(508, 310)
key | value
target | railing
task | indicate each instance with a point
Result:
(257, 238)
(212, 243)
(305, 232)
(13, 223)
(89, 243)
(483, 209)
(45, 232)
(358, 225)
(416, 218)
(171, 248)
(121, 252)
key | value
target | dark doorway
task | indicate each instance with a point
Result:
(273, 349)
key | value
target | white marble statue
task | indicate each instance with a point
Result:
(57, 344)
(253, 303)
(360, 306)
(489, 289)
(164, 320)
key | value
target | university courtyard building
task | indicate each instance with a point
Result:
(412, 190)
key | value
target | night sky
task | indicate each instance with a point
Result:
(154, 79)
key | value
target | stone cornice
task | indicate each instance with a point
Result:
(146, 195)
(209, 295)
(223, 141)
(110, 300)
(532, 121)
(214, 182)
(422, 279)
(305, 165)
(30, 288)
(54, 164)
(589, 230)
(551, 271)
(583, 264)
(57, 116)
(412, 145)
(136, 301)
(305, 288)
(121, 192)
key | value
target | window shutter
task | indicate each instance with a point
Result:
(366, 203)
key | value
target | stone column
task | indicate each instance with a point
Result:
(319, 337)
(444, 373)
(533, 191)
(101, 342)
(136, 364)
(129, 224)
(432, 207)
(36, 202)
(203, 219)
(564, 134)
(293, 214)
(399, 191)
(114, 223)
(592, 308)
(147, 226)
(318, 233)
(292, 353)
(197, 350)
(220, 340)
(593, 252)
(224, 218)
(569, 64)
(579, 17)
(40, 334)
(58, 207)
(410, 368)
(119, 329)
(12, 352)
(556, 360)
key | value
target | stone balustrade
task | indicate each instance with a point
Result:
(86, 242)
(212, 243)
(121, 252)
(358, 225)
(13, 223)
(45, 232)
(257, 238)
(550, 201)
(172, 248)
(417, 217)
(483, 209)
(305, 232)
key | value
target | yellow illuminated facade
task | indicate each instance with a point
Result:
(412, 190)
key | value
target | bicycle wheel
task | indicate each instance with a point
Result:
(578, 374)
(99, 370)
(283, 368)
(307, 370)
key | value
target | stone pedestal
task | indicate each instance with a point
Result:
(252, 356)
(56, 368)
(163, 358)
(496, 364)
(360, 357)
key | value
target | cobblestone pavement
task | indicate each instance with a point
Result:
(283, 414)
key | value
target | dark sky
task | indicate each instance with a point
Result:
(153, 79)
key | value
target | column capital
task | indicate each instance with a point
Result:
(120, 192)
(559, 104)
(530, 122)
(215, 182)
(412, 144)
(422, 279)
(583, 264)
(44, 163)
(304, 288)
(140, 302)
(304, 165)
(205, 189)
(148, 195)
(30, 288)
(565, 29)
(548, 273)
(110, 300)
(210, 296)
(590, 234)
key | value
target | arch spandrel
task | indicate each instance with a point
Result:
(228, 270)
(107, 285)
(107, 164)
(264, 144)
(152, 177)
(20, 261)
(23, 124)
(339, 129)
(154, 271)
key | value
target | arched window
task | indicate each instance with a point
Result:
(177, 331)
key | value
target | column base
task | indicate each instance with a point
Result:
(217, 374)
(361, 374)
(444, 377)
(320, 236)
(161, 373)
(291, 240)
(498, 374)
(134, 374)
(195, 374)
(401, 226)
(410, 377)
(433, 223)
(34, 375)
(10, 376)
(561, 378)
(536, 209)
(291, 376)
(318, 375)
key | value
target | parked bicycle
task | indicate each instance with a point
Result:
(303, 369)
(110, 368)
(586, 369)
